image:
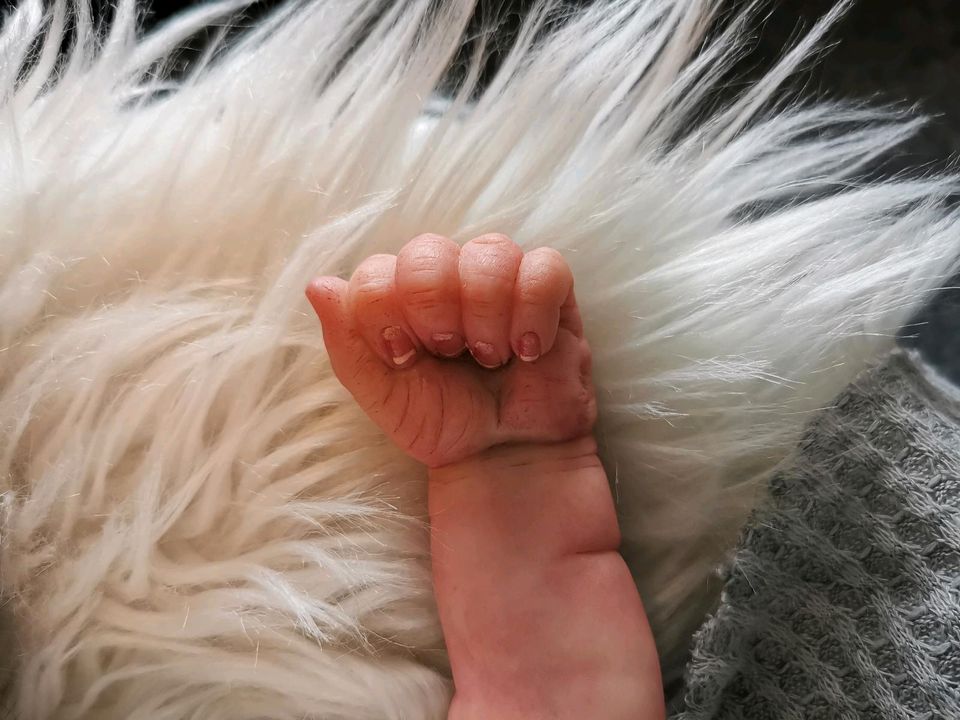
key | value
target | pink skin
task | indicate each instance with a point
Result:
(540, 615)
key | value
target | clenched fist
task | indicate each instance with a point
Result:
(453, 350)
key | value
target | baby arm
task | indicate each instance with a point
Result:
(540, 615)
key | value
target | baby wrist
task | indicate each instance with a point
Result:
(524, 459)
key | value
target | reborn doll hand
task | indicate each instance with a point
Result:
(392, 330)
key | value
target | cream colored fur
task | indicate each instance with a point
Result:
(196, 520)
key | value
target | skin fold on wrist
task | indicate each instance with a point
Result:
(570, 455)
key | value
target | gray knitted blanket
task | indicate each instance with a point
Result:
(844, 597)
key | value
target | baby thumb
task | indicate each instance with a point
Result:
(328, 296)
(355, 364)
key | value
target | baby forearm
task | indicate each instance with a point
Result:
(540, 614)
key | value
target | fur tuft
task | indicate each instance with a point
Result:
(195, 521)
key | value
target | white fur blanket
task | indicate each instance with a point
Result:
(195, 521)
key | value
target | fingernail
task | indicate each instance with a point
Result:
(486, 355)
(529, 347)
(447, 344)
(399, 345)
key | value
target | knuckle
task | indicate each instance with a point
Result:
(377, 262)
(429, 297)
(374, 273)
(550, 257)
(536, 293)
(495, 251)
(430, 240)
(426, 272)
(488, 277)
(546, 277)
(369, 291)
(495, 240)
(425, 275)
(427, 250)
(485, 307)
(486, 288)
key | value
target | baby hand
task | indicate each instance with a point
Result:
(397, 332)
(540, 615)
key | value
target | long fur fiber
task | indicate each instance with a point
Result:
(196, 521)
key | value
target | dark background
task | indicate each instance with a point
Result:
(895, 51)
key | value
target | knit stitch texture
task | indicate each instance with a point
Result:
(843, 600)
